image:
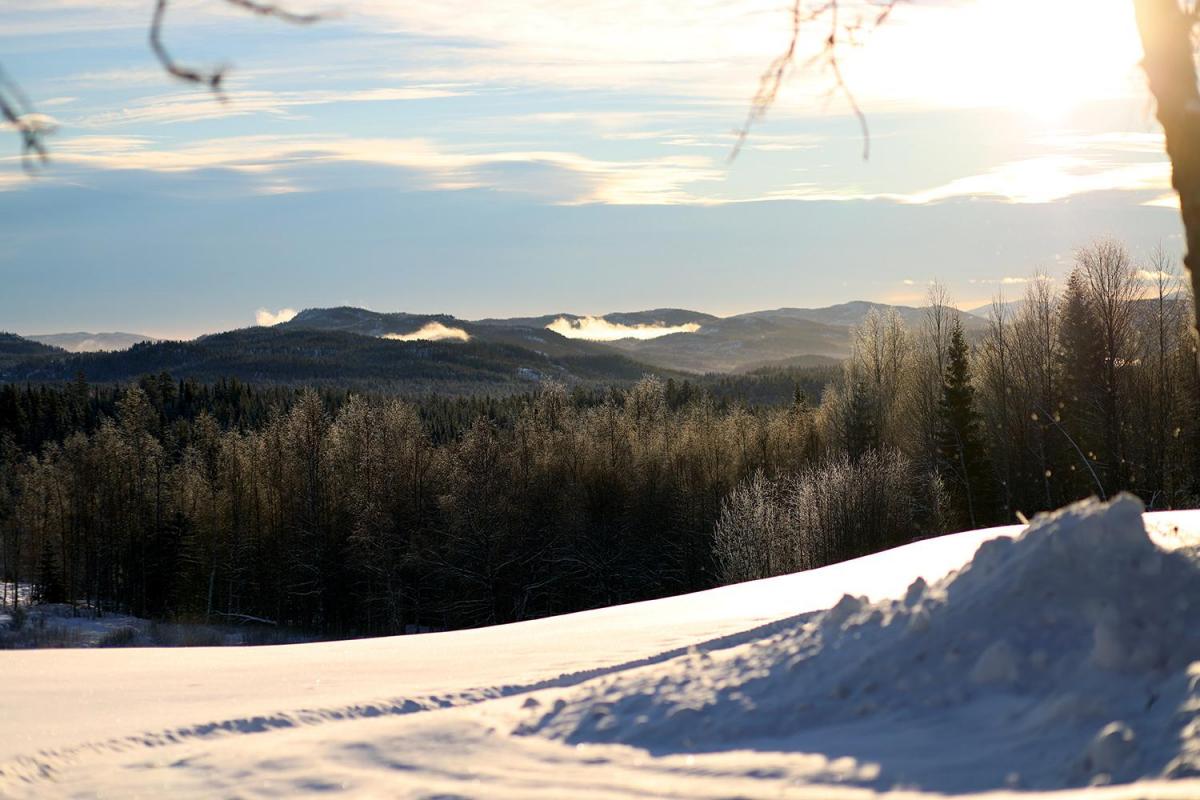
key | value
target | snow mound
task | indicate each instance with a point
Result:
(1060, 658)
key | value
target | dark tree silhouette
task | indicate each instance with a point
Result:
(1167, 31)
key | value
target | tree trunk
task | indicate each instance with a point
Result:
(1166, 32)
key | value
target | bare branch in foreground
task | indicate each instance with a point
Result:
(839, 33)
(213, 78)
(32, 127)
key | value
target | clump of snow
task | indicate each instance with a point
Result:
(1060, 658)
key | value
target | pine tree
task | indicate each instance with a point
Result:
(857, 416)
(960, 441)
(49, 587)
(1081, 360)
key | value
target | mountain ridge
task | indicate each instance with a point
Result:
(313, 346)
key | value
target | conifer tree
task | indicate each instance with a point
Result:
(960, 444)
(1081, 365)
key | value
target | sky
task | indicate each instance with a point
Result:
(533, 157)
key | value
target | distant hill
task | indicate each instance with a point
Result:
(1011, 307)
(739, 343)
(719, 345)
(82, 342)
(14, 349)
(664, 317)
(807, 362)
(285, 355)
(856, 311)
(514, 333)
(355, 346)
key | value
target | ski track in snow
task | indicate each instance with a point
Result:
(1034, 668)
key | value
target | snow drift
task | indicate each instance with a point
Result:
(1065, 657)
(1061, 658)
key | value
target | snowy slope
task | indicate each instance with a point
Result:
(612, 703)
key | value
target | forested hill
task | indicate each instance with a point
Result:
(296, 355)
(15, 349)
(364, 322)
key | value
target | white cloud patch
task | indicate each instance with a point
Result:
(1045, 179)
(1007, 280)
(431, 332)
(266, 317)
(598, 329)
(279, 164)
(1041, 179)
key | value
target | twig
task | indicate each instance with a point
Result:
(1078, 450)
(16, 109)
(771, 81)
(213, 78)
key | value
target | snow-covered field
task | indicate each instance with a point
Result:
(1060, 660)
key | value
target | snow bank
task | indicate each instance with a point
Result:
(1063, 657)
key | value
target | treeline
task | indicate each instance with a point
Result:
(33, 415)
(350, 514)
(1090, 389)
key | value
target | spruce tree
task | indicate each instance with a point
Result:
(960, 441)
(1081, 362)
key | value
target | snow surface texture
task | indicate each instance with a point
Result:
(1059, 659)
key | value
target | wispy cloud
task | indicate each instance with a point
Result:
(431, 332)
(599, 329)
(1041, 179)
(281, 164)
(266, 317)
(1048, 178)
(194, 106)
(1008, 280)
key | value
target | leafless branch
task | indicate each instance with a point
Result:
(840, 32)
(32, 127)
(272, 10)
(213, 78)
(17, 111)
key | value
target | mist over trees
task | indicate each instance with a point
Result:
(344, 514)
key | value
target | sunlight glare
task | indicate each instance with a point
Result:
(1043, 58)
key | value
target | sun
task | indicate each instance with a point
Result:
(1042, 58)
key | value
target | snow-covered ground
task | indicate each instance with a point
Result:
(1061, 659)
(60, 625)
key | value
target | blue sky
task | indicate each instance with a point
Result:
(537, 157)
